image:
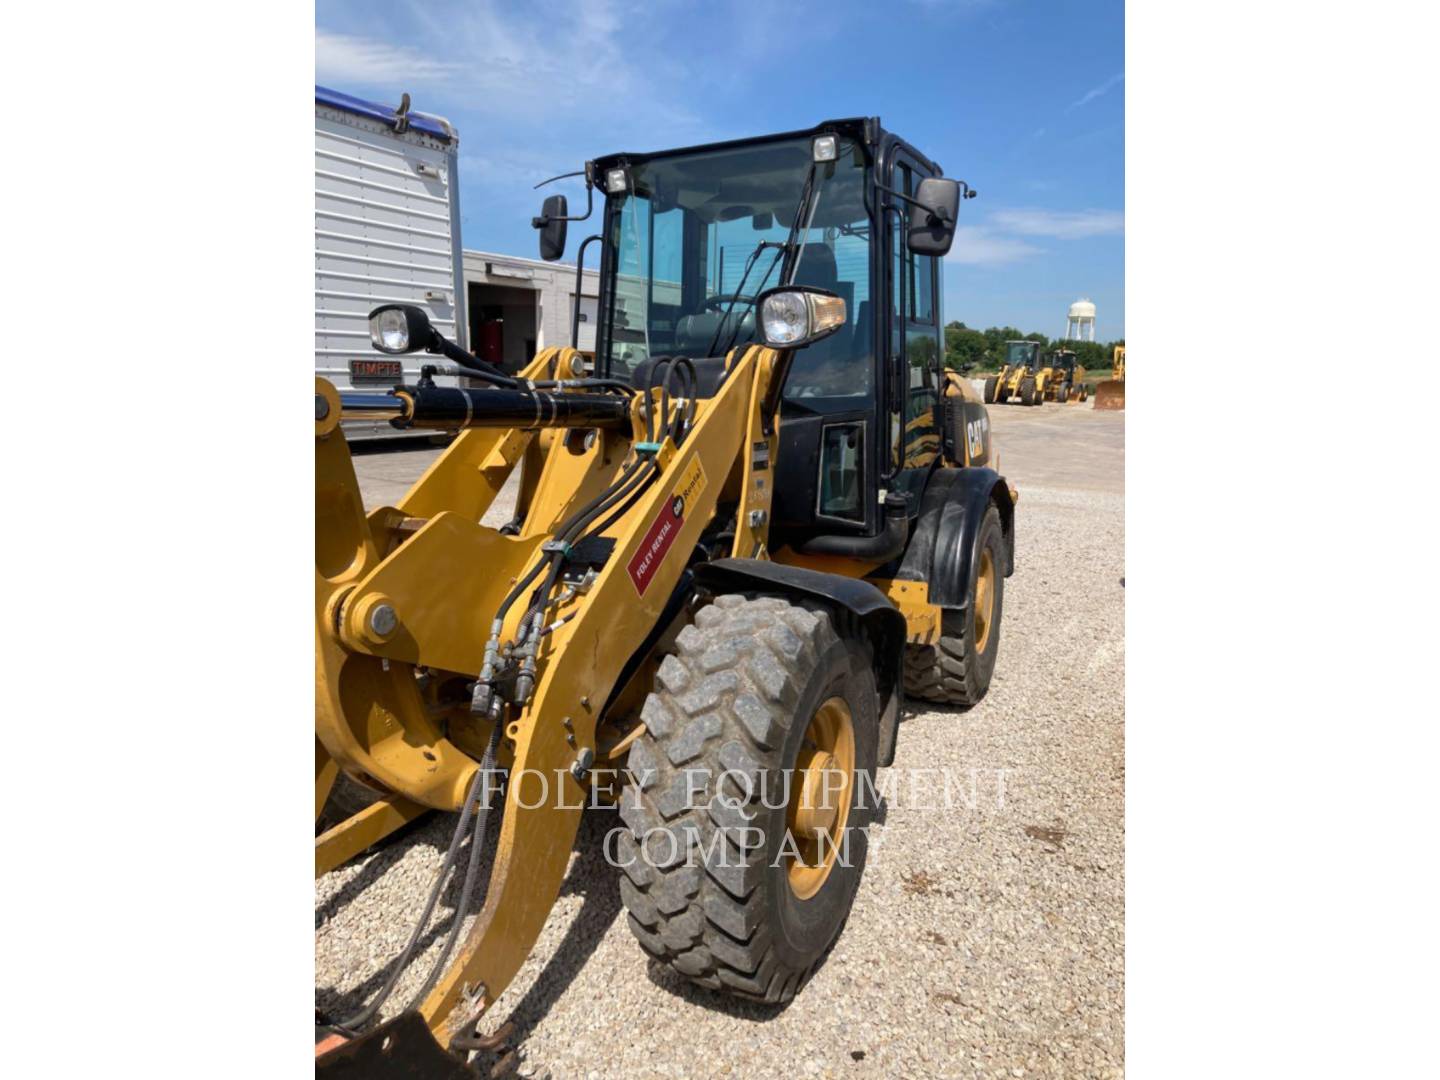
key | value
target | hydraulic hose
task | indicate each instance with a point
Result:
(353, 1024)
(477, 841)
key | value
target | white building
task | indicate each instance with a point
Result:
(516, 307)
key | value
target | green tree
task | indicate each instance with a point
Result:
(963, 346)
(985, 349)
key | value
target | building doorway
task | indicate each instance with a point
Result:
(503, 324)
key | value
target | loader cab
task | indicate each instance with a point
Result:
(1063, 359)
(1022, 354)
(693, 236)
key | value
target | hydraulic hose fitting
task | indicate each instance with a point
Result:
(530, 644)
(483, 696)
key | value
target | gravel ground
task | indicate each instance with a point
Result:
(988, 935)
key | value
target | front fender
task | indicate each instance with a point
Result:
(881, 620)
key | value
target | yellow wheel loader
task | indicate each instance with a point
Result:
(756, 521)
(1063, 380)
(1110, 393)
(1016, 381)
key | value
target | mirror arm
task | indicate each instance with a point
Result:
(966, 192)
(935, 218)
(542, 220)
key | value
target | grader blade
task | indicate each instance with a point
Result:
(1110, 394)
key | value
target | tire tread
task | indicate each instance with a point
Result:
(731, 686)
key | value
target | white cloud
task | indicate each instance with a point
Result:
(1006, 236)
(978, 245)
(348, 59)
(1097, 91)
(1060, 224)
(579, 64)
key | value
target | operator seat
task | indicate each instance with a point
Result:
(820, 363)
(709, 371)
(694, 333)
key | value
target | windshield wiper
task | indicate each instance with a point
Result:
(804, 210)
(739, 294)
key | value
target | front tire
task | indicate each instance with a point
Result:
(957, 668)
(990, 385)
(752, 693)
(1027, 391)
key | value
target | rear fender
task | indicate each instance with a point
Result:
(945, 539)
(881, 621)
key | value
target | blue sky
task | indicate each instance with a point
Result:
(1024, 99)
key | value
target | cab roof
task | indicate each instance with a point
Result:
(866, 129)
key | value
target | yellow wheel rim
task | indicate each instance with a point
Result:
(984, 601)
(820, 789)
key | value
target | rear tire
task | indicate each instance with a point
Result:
(1062, 393)
(990, 385)
(731, 708)
(954, 671)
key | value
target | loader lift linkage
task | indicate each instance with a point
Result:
(758, 516)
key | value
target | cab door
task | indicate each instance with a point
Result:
(914, 344)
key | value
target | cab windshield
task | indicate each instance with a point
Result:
(700, 236)
(1019, 352)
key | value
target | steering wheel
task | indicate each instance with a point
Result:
(722, 301)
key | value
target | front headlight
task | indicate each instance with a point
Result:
(400, 328)
(786, 317)
(389, 331)
(796, 315)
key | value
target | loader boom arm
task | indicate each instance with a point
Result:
(441, 575)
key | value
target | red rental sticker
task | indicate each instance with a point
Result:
(645, 563)
(656, 543)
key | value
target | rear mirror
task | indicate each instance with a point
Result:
(932, 221)
(552, 224)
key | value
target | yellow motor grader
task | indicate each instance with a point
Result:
(740, 536)
(1016, 380)
(1062, 380)
(1110, 393)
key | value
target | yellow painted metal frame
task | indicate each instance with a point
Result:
(371, 825)
(912, 598)
(372, 718)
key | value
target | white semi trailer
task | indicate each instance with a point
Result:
(387, 230)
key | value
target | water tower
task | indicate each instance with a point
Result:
(1080, 326)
